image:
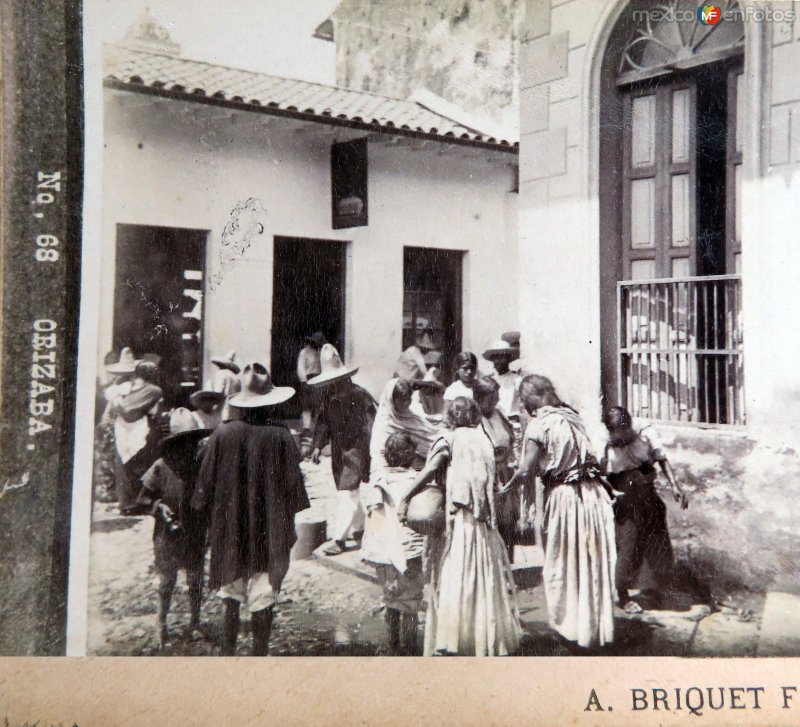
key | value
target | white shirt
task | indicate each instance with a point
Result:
(509, 392)
(457, 389)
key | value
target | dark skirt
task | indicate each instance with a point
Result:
(350, 467)
(644, 552)
(508, 512)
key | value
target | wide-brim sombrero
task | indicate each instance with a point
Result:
(501, 348)
(126, 365)
(333, 368)
(429, 381)
(191, 434)
(199, 398)
(329, 377)
(250, 400)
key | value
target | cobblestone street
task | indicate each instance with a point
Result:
(332, 606)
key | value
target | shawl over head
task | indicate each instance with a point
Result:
(390, 421)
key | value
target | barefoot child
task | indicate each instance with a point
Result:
(179, 534)
(640, 514)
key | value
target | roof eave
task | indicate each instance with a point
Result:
(372, 127)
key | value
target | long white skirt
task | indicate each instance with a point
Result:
(579, 561)
(472, 607)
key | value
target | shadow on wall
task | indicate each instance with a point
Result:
(740, 530)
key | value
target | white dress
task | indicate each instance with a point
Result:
(472, 608)
(579, 533)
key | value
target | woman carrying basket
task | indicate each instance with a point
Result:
(472, 609)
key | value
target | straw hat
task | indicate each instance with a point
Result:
(258, 389)
(125, 365)
(183, 425)
(206, 396)
(333, 369)
(317, 338)
(431, 380)
(501, 348)
(227, 361)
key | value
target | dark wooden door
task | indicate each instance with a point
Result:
(432, 299)
(308, 295)
(158, 302)
(659, 191)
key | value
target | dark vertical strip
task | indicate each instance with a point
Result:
(42, 180)
(57, 611)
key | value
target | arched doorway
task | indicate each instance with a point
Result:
(670, 169)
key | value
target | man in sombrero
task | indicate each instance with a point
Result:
(308, 367)
(501, 353)
(207, 405)
(412, 363)
(226, 380)
(345, 419)
(250, 486)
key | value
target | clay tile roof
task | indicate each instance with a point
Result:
(139, 70)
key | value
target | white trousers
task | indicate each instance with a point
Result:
(350, 516)
(257, 592)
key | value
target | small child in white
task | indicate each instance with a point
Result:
(394, 549)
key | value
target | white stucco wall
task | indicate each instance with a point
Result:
(196, 162)
(771, 301)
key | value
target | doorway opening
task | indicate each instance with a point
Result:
(432, 300)
(158, 302)
(308, 295)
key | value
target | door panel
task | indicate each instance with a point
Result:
(733, 173)
(643, 131)
(659, 216)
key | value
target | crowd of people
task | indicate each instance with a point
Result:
(435, 484)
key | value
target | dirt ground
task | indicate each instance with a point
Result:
(315, 615)
(320, 611)
(325, 609)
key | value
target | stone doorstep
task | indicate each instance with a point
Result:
(780, 625)
(348, 562)
(526, 569)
